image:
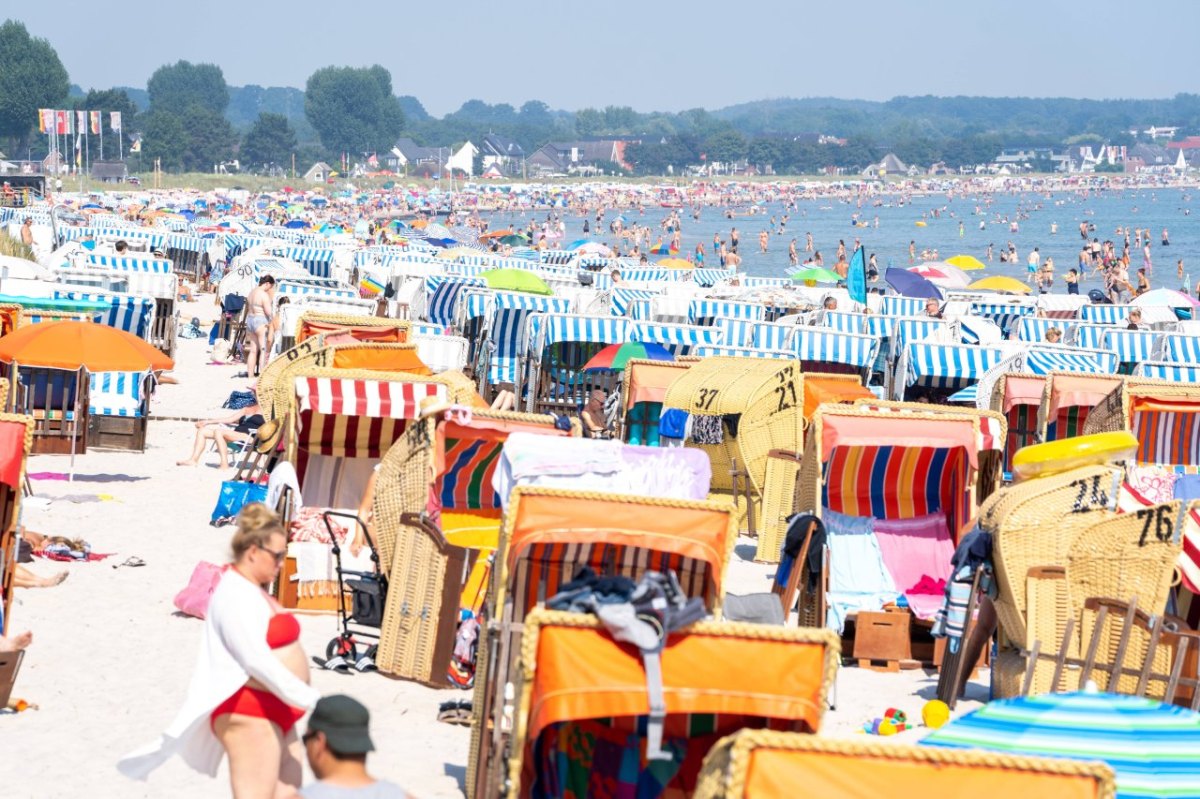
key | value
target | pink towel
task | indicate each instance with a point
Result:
(917, 553)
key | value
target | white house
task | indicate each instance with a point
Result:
(463, 159)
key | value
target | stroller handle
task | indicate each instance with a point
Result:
(337, 551)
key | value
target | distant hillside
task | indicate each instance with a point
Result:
(941, 117)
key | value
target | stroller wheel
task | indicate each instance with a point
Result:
(344, 646)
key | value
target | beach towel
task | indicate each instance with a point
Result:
(917, 554)
(858, 578)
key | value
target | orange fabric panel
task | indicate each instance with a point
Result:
(649, 382)
(1023, 391)
(697, 533)
(393, 335)
(1080, 391)
(380, 360)
(778, 773)
(1155, 405)
(892, 429)
(818, 390)
(582, 673)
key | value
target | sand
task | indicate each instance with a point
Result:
(111, 660)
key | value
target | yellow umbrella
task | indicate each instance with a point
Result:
(967, 263)
(1000, 283)
(675, 263)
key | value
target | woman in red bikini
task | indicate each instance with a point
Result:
(251, 681)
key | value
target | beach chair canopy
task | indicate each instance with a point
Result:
(343, 423)
(1067, 401)
(894, 463)
(759, 404)
(1165, 418)
(551, 532)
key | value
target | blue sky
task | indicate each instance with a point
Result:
(650, 54)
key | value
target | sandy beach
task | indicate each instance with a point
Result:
(111, 659)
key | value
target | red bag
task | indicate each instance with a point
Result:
(193, 600)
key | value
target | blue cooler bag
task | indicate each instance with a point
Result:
(235, 495)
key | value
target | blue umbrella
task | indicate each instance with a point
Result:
(576, 244)
(910, 284)
(1153, 748)
(296, 224)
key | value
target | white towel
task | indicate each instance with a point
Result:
(284, 475)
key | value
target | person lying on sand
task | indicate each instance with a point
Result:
(244, 421)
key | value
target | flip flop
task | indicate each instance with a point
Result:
(336, 663)
(132, 562)
(365, 664)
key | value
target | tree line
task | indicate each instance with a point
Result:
(190, 119)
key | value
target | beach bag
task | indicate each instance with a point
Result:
(193, 599)
(221, 351)
(235, 495)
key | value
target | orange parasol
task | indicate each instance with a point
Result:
(70, 345)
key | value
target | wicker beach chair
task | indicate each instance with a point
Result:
(548, 535)
(577, 685)
(763, 764)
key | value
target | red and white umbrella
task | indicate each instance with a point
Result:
(942, 274)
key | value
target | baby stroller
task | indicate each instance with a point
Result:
(368, 592)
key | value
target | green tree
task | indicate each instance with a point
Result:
(164, 137)
(765, 152)
(353, 110)
(725, 147)
(588, 121)
(179, 86)
(31, 77)
(270, 140)
(210, 139)
(107, 101)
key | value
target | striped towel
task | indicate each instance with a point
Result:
(1189, 558)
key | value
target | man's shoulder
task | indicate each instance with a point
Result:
(380, 789)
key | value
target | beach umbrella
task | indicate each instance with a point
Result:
(577, 244)
(1000, 283)
(594, 248)
(942, 274)
(1165, 297)
(514, 240)
(1153, 748)
(437, 231)
(815, 274)
(909, 284)
(453, 252)
(967, 263)
(675, 263)
(615, 356)
(515, 280)
(71, 345)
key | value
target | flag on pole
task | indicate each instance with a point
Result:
(81, 121)
(45, 120)
(94, 117)
(79, 149)
(114, 120)
(136, 147)
(62, 123)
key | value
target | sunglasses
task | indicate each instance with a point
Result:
(279, 556)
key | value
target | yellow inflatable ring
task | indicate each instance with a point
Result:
(1041, 460)
(920, 224)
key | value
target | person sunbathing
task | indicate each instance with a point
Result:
(239, 426)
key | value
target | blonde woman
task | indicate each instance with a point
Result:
(250, 685)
